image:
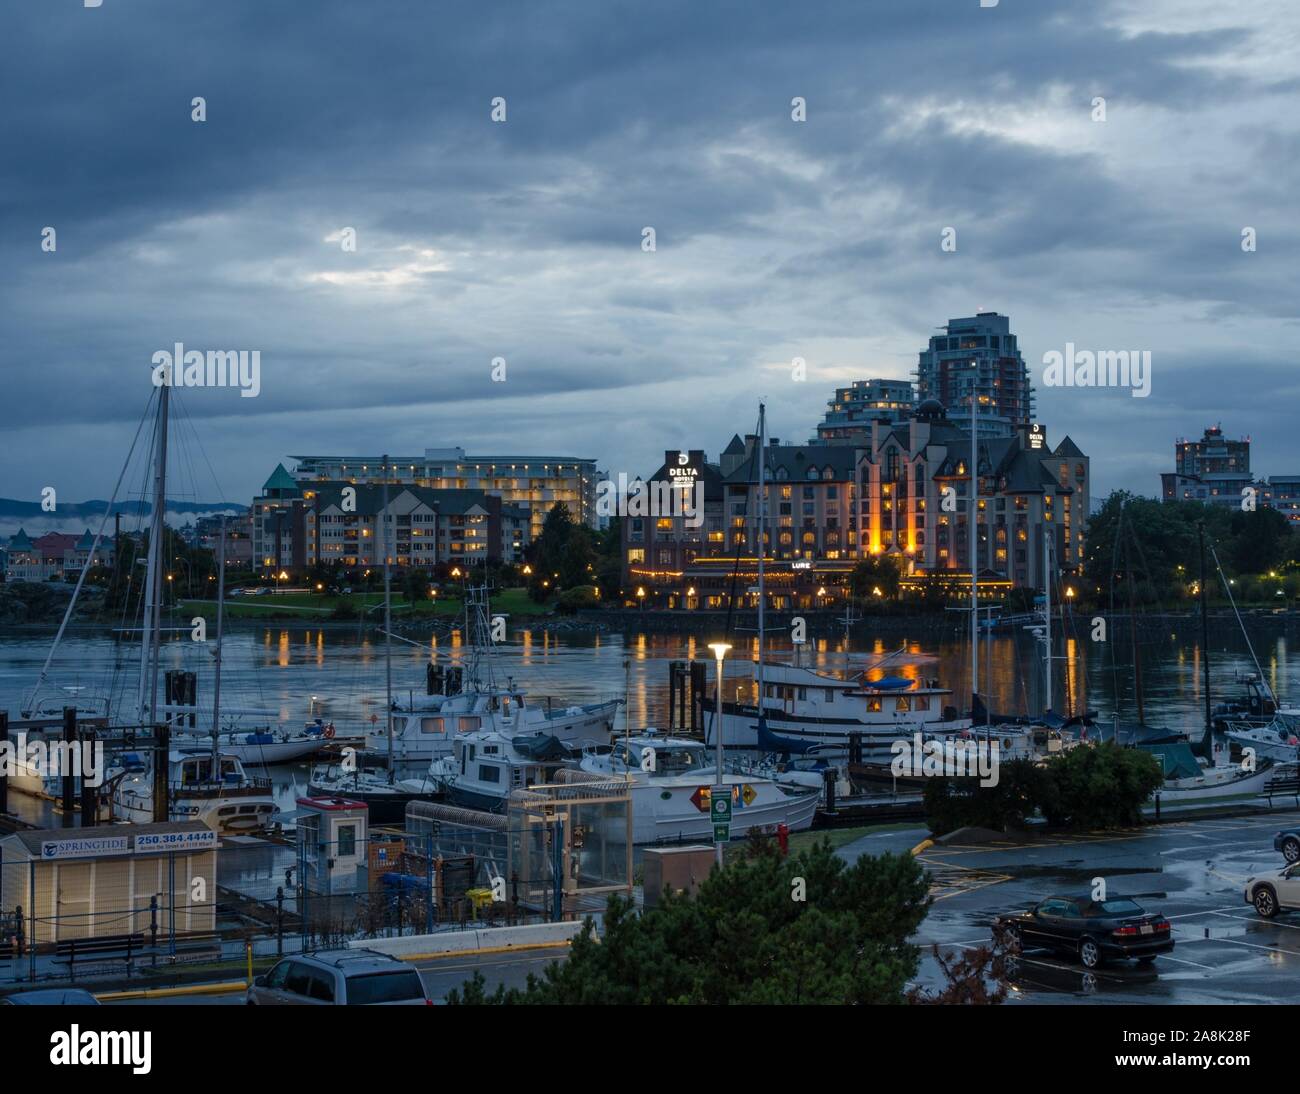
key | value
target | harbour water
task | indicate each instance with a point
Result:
(339, 674)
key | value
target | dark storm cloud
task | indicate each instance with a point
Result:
(522, 240)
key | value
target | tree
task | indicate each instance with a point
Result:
(1260, 541)
(879, 572)
(747, 937)
(563, 555)
(1102, 786)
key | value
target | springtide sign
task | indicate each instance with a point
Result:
(83, 847)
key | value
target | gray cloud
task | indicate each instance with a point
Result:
(522, 240)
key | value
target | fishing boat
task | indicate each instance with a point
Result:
(468, 698)
(486, 766)
(821, 712)
(671, 784)
(1276, 741)
(217, 791)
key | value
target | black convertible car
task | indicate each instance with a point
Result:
(1092, 930)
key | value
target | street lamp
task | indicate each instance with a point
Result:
(720, 652)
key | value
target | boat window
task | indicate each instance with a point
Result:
(830, 694)
(468, 724)
(874, 705)
(903, 702)
(432, 725)
(674, 761)
(922, 702)
(803, 693)
(488, 773)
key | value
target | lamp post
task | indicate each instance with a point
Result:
(720, 652)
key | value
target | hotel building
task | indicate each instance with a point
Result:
(532, 483)
(980, 355)
(300, 525)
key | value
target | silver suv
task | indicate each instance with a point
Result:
(339, 978)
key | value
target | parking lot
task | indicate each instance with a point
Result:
(1191, 871)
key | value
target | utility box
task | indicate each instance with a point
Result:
(333, 834)
(680, 869)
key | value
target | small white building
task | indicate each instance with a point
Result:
(333, 833)
(75, 883)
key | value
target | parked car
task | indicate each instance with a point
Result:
(263, 591)
(339, 978)
(1092, 930)
(1288, 842)
(1275, 891)
(50, 997)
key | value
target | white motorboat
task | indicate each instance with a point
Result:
(486, 766)
(821, 712)
(425, 727)
(1276, 741)
(224, 797)
(672, 780)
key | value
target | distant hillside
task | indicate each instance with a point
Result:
(73, 518)
(11, 508)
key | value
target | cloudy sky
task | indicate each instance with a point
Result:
(523, 240)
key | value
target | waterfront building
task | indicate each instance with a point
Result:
(533, 483)
(24, 561)
(850, 413)
(829, 506)
(239, 538)
(978, 354)
(296, 525)
(1215, 470)
(1027, 491)
(279, 525)
(425, 526)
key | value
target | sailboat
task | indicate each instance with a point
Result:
(201, 783)
(375, 783)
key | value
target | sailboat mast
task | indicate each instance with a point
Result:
(1047, 610)
(388, 628)
(1205, 632)
(762, 545)
(216, 676)
(152, 618)
(974, 544)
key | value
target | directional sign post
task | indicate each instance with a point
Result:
(720, 813)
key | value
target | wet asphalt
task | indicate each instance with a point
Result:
(1192, 871)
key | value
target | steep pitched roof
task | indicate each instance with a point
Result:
(736, 447)
(20, 541)
(1068, 448)
(280, 480)
(795, 460)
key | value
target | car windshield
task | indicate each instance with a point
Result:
(1118, 907)
(385, 987)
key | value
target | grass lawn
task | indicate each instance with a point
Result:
(513, 602)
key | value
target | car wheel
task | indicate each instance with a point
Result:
(1265, 902)
(1291, 849)
(1147, 960)
(1089, 954)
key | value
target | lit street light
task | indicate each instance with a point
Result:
(719, 786)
